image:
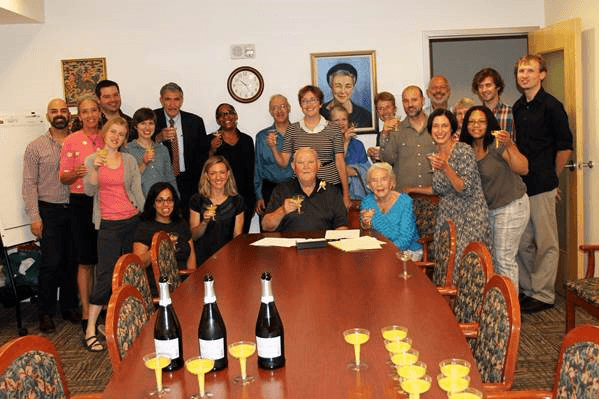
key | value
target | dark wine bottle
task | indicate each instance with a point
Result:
(212, 333)
(270, 337)
(167, 330)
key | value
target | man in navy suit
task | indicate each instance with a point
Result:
(184, 135)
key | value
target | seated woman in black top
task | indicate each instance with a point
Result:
(216, 212)
(162, 212)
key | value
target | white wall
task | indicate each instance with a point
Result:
(147, 44)
(21, 11)
(586, 10)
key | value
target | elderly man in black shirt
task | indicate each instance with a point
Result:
(322, 206)
(544, 137)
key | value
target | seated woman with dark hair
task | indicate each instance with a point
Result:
(162, 212)
(389, 212)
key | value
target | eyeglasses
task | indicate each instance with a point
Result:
(477, 122)
(167, 201)
(310, 101)
(225, 114)
(278, 107)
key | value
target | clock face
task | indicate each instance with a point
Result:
(245, 84)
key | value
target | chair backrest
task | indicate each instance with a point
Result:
(353, 215)
(125, 317)
(164, 260)
(445, 250)
(589, 250)
(475, 271)
(30, 368)
(577, 374)
(425, 210)
(130, 270)
(496, 347)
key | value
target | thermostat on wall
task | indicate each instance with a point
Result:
(243, 51)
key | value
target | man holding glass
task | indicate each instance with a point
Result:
(305, 203)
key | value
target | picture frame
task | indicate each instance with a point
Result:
(362, 64)
(79, 77)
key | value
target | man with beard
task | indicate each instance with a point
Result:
(407, 148)
(47, 205)
(438, 93)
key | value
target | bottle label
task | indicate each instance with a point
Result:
(168, 347)
(212, 349)
(269, 348)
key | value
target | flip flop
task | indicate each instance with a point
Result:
(92, 343)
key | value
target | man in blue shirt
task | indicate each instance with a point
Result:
(267, 173)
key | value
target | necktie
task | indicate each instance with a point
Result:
(175, 149)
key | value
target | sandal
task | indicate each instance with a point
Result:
(92, 344)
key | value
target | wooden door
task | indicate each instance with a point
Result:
(560, 44)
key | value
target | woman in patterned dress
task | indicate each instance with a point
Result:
(456, 181)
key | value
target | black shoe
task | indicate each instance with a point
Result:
(46, 324)
(531, 305)
(74, 316)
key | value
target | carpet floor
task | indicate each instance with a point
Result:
(540, 341)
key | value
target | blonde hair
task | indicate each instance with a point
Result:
(116, 121)
(204, 184)
(385, 167)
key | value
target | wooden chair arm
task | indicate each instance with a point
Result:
(425, 240)
(185, 272)
(447, 292)
(470, 330)
(498, 387)
(425, 265)
(519, 395)
(590, 249)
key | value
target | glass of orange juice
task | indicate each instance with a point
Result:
(157, 361)
(199, 366)
(242, 350)
(356, 337)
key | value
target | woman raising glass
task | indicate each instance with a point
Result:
(216, 212)
(76, 147)
(457, 183)
(315, 132)
(500, 164)
(162, 212)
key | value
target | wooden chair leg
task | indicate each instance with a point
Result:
(570, 310)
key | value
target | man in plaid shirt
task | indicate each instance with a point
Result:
(488, 85)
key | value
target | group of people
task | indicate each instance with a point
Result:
(103, 184)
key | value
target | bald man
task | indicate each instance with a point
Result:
(322, 205)
(47, 205)
(438, 93)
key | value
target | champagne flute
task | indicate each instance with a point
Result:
(157, 361)
(414, 370)
(394, 332)
(199, 366)
(242, 350)
(454, 368)
(430, 157)
(212, 208)
(298, 199)
(453, 385)
(356, 337)
(366, 216)
(468, 393)
(404, 256)
(416, 386)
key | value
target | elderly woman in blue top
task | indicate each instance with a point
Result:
(153, 158)
(391, 213)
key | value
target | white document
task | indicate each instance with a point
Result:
(357, 244)
(339, 234)
(275, 242)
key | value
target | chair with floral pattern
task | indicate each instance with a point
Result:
(130, 270)
(475, 272)
(30, 368)
(164, 261)
(425, 208)
(497, 335)
(577, 373)
(445, 249)
(583, 292)
(125, 317)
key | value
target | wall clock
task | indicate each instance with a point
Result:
(245, 84)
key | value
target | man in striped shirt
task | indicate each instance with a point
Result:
(47, 205)
(488, 85)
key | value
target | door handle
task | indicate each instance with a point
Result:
(571, 165)
(588, 164)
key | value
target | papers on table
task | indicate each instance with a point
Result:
(357, 244)
(345, 240)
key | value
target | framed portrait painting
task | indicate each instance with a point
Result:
(348, 79)
(80, 77)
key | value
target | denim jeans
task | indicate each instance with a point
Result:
(508, 223)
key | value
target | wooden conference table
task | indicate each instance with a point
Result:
(319, 294)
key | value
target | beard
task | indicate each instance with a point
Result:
(59, 122)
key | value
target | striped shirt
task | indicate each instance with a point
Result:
(40, 175)
(504, 116)
(327, 142)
